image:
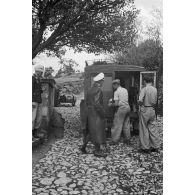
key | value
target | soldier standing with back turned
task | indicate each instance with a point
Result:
(148, 134)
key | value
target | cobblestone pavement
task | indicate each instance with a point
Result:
(65, 170)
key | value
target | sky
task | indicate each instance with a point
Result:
(145, 7)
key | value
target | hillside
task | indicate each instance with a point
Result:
(70, 83)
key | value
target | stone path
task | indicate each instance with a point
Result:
(64, 170)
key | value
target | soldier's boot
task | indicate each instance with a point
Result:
(83, 148)
(154, 150)
(98, 152)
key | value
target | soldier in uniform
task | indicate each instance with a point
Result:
(95, 128)
(148, 134)
(36, 100)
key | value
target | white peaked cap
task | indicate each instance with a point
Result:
(39, 68)
(99, 77)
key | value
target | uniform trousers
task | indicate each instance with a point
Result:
(148, 134)
(121, 123)
(36, 115)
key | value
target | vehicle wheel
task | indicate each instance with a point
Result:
(73, 104)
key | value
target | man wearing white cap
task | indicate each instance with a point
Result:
(36, 100)
(95, 130)
(121, 121)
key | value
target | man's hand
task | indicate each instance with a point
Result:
(140, 103)
(110, 103)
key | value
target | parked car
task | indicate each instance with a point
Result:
(67, 98)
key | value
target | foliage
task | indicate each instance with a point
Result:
(68, 67)
(48, 72)
(148, 52)
(154, 28)
(84, 25)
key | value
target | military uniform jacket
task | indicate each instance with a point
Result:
(36, 89)
(96, 114)
(95, 99)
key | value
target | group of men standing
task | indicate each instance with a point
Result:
(95, 126)
(96, 116)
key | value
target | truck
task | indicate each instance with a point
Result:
(131, 78)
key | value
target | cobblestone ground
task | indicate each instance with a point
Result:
(64, 170)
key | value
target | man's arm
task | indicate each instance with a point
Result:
(33, 84)
(115, 101)
(141, 97)
(98, 103)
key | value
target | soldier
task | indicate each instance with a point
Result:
(37, 100)
(148, 134)
(95, 130)
(121, 118)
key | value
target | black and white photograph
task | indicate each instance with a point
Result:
(97, 97)
(111, 85)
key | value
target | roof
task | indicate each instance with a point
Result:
(113, 67)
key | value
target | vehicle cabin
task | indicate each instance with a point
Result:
(131, 78)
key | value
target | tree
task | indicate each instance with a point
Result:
(89, 25)
(149, 51)
(67, 68)
(148, 54)
(154, 28)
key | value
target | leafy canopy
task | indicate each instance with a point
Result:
(84, 25)
(67, 67)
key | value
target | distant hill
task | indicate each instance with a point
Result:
(69, 78)
(70, 83)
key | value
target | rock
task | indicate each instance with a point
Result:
(61, 174)
(146, 172)
(54, 193)
(72, 185)
(114, 186)
(80, 183)
(104, 173)
(130, 171)
(96, 190)
(64, 193)
(74, 192)
(47, 181)
(140, 169)
(38, 190)
(119, 190)
(84, 192)
(63, 181)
